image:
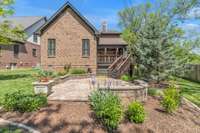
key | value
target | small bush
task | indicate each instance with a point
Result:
(77, 71)
(45, 75)
(21, 102)
(169, 104)
(67, 68)
(136, 112)
(171, 99)
(62, 73)
(107, 108)
(152, 91)
(125, 78)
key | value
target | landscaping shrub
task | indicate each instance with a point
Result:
(63, 73)
(107, 108)
(44, 75)
(125, 78)
(77, 71)
(66, 70)
(169, 104)
(18, 101)
(136, 112)
(11, 129)
(171, 99)
(152, 91)
(67, 67)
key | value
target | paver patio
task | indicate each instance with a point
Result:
(80, 89)
(71, 90)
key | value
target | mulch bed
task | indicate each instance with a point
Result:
(68, 117)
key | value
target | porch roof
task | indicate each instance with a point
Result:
(111, 41)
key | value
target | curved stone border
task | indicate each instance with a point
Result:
(6, 122)
(189, 103)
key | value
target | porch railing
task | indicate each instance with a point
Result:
(106, 59)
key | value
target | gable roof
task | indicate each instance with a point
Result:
(24, 21)
(63, 8)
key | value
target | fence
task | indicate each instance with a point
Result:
(193, 72)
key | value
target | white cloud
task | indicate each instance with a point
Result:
(192, 30)
(194, 13)
(191, 26)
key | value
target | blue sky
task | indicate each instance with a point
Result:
(95, 11)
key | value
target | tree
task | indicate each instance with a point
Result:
(187, 50)
(152, 32)
(9, 34)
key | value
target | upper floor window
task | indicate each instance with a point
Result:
(51, 47)
(16, 50)
(85, 47)
(35, 38)
(34, 52)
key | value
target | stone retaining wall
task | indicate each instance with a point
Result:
(69, 77)
(128, 92)
(129, 95)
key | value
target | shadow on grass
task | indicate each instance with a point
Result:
(14, 76)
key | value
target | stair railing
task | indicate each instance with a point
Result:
(119, 67)
(114, 64)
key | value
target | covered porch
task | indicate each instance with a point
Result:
(106, 55)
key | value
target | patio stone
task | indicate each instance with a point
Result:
(78, 90)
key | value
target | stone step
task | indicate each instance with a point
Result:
(102, 72)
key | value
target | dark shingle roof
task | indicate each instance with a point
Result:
(110, 32)
(24, 21)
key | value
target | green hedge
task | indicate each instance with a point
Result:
(77, 71)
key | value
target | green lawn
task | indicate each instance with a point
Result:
(190, 90)
(20, 79)
(10, 129)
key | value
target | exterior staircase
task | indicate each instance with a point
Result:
(119, 67)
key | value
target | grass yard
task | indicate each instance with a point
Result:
(11, 129)
(190, 90)
(13, 80)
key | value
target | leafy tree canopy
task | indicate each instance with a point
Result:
(9, 34)
(153, 34)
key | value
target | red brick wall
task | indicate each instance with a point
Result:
(24, 58)
(68, 30)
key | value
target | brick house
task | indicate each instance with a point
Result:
(69, 38)
(23, 54)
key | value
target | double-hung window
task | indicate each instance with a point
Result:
(16, 50)
(34, 52)
(51, 47)
(85, 47)
(35, 38)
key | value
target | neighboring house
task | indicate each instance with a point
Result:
(69, 38)
(23, 54)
